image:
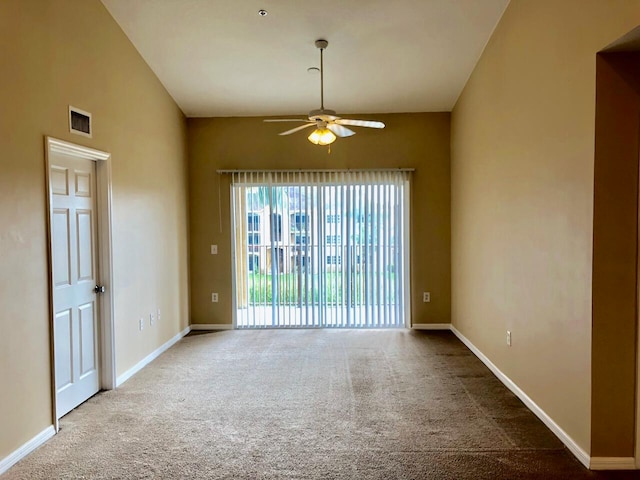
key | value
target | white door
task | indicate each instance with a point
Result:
(73, 245)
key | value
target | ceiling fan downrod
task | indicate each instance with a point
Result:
(321, 44)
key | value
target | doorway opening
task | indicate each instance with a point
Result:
(615, 382)
(318, 249)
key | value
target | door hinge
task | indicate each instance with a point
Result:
(99, 289)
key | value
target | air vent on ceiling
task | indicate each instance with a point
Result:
(79, 121)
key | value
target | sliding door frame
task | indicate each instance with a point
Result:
(406, 196)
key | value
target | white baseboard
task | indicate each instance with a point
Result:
(580, 454)
(211, 326)
(150, 358)
(612, 463)
(14, 457)
(431, 326)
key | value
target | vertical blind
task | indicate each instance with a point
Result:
(320, 248)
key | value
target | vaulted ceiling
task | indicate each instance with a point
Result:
(221, 58)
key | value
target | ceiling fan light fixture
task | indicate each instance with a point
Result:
(322, 136)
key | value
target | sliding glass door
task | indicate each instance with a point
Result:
(320, 249)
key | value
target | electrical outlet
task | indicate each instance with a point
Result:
(141, 323)
(151, 322)
(214, 297)
(509, 337)
(214, 249)
(426, 297)
(158, 316)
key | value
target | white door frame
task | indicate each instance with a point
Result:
(104, 257)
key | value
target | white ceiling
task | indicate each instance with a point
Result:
(220, 58)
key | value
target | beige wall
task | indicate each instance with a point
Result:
(420, 141)
(56, 53)
(522, 202)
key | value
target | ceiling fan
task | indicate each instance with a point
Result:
(328, 124)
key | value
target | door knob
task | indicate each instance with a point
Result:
(99, 289)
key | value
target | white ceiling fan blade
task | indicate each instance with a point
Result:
(340, 131)
(359, 123)
(285, 120)
(297, 129)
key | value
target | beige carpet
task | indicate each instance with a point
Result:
(307, 404)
